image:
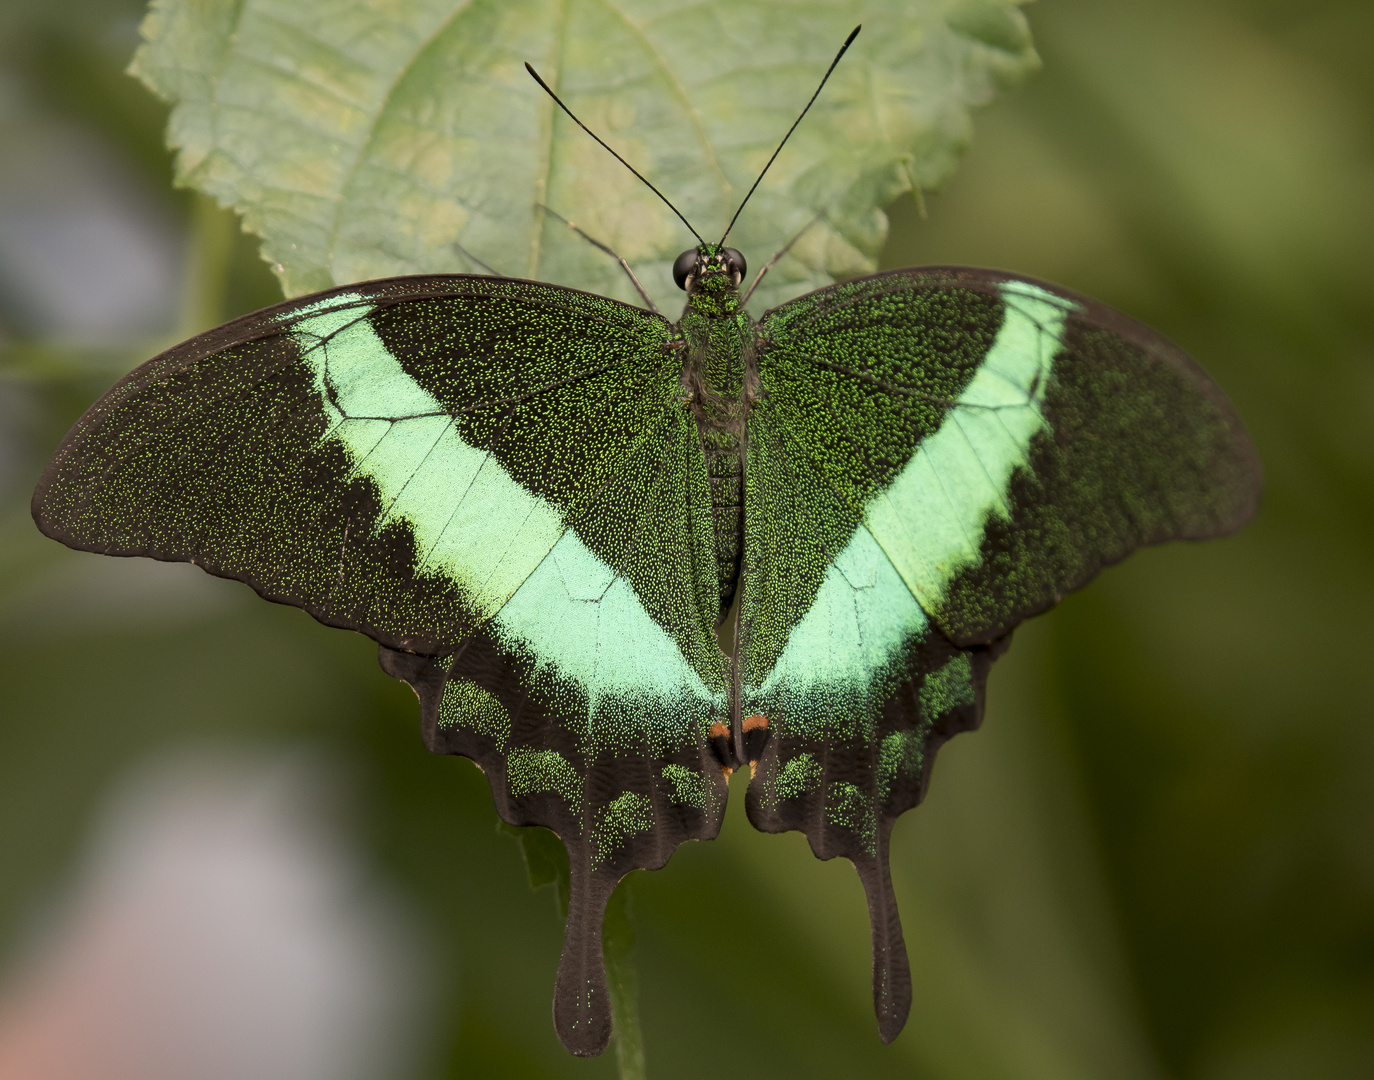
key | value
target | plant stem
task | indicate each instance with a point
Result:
(623, 979)
(546, 861)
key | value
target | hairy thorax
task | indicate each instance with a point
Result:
(719, 380)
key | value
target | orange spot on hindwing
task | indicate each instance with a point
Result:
(719, 739)
(755, 739)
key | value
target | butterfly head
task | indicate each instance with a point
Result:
(709, 268)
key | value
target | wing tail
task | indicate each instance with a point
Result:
(617, 807)
(891, 969)
(581, 997)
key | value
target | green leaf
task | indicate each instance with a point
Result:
(546, 859)
(363, 140)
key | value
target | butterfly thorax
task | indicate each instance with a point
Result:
(716, 378)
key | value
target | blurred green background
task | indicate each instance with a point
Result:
(1157, 858)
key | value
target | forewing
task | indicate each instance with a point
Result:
(497, 482)
(935, 456)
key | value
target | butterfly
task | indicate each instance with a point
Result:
(619, 557)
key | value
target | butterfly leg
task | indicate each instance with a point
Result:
(598, 244)
(774, 260)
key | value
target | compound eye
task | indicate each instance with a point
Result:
(735, 261)
(683, 266)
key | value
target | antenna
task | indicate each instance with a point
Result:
(847, 42)
(620, 159)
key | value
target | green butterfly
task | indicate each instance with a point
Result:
(619, 557)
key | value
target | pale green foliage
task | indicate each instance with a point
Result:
(363, 139)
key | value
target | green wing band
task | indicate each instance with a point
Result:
(512, 553)
(1002, 439)
(930, 519)
(918, 532)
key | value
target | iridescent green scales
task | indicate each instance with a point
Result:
(537, 772)
(465, 705)
(628, 813)
(948, 688)
(541, 504)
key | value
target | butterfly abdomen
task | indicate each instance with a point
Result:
(725, 468)
(720, 351)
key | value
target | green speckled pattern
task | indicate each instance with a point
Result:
(540, 502)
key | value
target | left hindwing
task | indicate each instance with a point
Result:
(935, 456)
(495, 480)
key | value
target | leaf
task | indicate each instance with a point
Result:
(546, 859)
(362, 140)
